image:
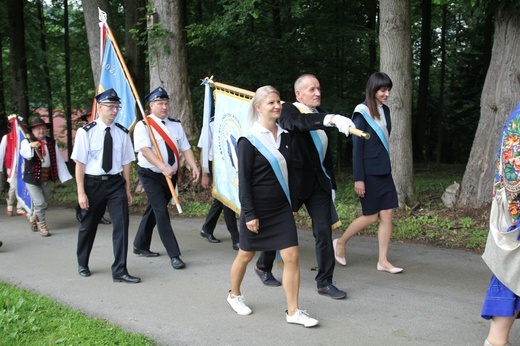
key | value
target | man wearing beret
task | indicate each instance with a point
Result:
(43, 166)
(103, 153)
(153, 172)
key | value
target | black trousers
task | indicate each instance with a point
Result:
(265, 261)
(156, 213)
(229, 217)
(101, 193)
(319, 207)
(214, 213)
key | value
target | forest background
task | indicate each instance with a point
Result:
(455, 67)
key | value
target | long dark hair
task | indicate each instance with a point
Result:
(378, 80)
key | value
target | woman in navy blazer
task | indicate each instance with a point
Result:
(372, 171)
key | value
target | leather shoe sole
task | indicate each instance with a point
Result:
(84, 271)
(177, 263)
(129, 279)
(209, 237)
(145, 253)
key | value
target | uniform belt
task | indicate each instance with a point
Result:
(102, 177)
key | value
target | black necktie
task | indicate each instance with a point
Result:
(107, 151)
(171, 155)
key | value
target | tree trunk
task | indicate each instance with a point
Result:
(68, 97)
(442, 89)
(500, 95)
(395, 31)
(3, 113)
(422, 117)
(371, 25)
(134, 53)
(45, 66)
(169, 61)
(18, 59)
(91, 14)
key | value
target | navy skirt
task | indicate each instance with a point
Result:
(380, 194)
(499, 301)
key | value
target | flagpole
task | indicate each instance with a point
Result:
(28, 135)
(145, 118)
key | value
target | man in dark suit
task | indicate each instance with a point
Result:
(312, 181)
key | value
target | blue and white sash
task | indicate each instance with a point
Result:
(319, 137)
(275, 158)
(363, 110)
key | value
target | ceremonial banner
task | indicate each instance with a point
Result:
(204, 134)
(231, 121)
(113, 76)
(22, 194)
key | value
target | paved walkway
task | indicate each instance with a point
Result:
(436, 301)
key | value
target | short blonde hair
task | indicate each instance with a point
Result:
(260, 95)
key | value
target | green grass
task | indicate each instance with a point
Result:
(28, 319)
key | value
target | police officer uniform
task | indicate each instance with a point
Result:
(104, 188)
(154, 182)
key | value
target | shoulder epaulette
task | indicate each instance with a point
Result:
(122, 127)
(89, 126)
(174, 120)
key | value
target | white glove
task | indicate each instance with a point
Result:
(343, 123)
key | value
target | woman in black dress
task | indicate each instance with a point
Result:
(372, 171)
(266, 219)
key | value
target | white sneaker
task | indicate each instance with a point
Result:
(301, 317)
(238, 304)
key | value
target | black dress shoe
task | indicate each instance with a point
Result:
(236, 246)
(83, 271)
(209, 236)
(129, 279)
(177, 263)
(145, 253)
(267, 278)
(104, 221)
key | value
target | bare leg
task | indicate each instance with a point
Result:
(384, 234)
(354, 228)
(238, 269)
(500, 328)
(291, 278)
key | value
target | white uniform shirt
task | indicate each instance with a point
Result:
(88, 148)
(142, 139)
(268, 135)
(27, 152)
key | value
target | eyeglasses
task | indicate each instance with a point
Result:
(112, 107)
